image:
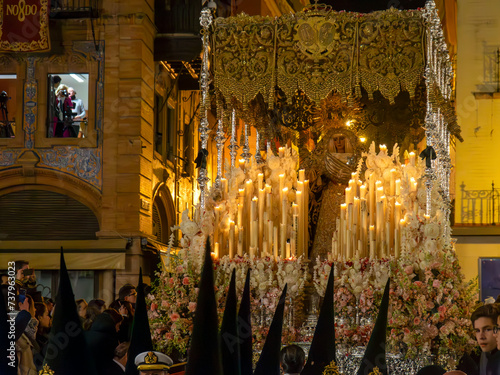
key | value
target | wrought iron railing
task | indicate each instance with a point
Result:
(73, 8)
(480, 207)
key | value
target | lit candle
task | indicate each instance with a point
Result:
(362, 191)
(240, 241)
(380, 193)
(412, 158)
(343, 210)
(216, 223)
(224, 187)
(301, 227)
(275, 243)
(288, 251)
(281, 152)
(260, 180)
(282, 185)
(397, 241)
(284, 208)
(398, 187)
(373, 243)
(397, 212)
(305, 214)
(392, 185)
(302, 175)
(261, 217)
(242, 164)
(231, 239)
(216, 250)
(283, 240)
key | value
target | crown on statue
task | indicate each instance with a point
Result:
(375, 371)
(46, 370)
(317, 9)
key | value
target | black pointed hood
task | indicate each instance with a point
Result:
(322, 350)
(140, 338)
(204, 352)
(375, 350)
(269, 361)
(245, 330)
(230, 347)
(67, 350)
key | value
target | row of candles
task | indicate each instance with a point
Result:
(371, 219)
(255, 230)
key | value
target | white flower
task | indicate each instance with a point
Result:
(188, 227)
(431, 230)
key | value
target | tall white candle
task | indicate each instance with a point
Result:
(373, 243)
(302, 175)
(231, 239)
(275, 242)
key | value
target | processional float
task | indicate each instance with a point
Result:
(313, 75)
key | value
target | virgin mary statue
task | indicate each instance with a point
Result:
(329, 169)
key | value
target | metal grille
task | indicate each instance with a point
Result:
(480, 207)
(44, 215)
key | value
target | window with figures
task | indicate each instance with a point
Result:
(8, 105)
(67, 105)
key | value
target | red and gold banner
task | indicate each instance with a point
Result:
(24, 25)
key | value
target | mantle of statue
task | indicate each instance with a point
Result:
(305, 185)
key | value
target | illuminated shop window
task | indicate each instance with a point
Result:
(67, 112)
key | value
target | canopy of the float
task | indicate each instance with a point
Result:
(320, 51)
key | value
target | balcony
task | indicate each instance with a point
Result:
(479, 207)
(73, 9)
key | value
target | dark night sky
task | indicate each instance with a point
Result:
(366, 6)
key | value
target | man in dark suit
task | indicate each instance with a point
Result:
(117, 366)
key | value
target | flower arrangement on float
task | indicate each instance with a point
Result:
(430, 302)
(174, 296)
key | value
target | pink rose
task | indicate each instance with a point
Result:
(185, 281)
(192, 306)
(409, 270)
(154, 306)
(416, 321)
(168, 335)
(171, 281)
(164, 304)
(174, 317)
(429, 305)
(436, 283)
(432, 331)
(417, 283)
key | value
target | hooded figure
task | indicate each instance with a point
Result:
(375, 350)
(230, 348)
(140, 338)
(269, 361)
(322, 350)
(245, 330)
(67, 351)
(204, 352)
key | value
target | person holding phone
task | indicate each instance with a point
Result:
(25, 276)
